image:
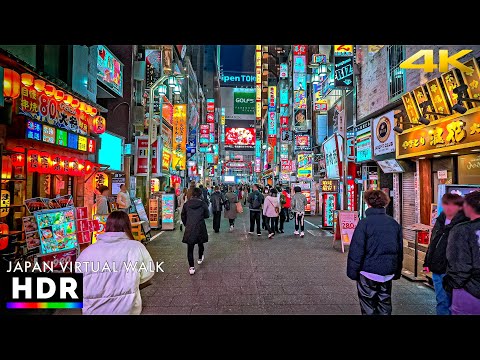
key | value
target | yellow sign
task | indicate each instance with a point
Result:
(410, 107)
(100, 179)
(5, 203)
(472, 79)
(450, 81)
(421, 97)
(438, 97)
(82, 143)
(343, 50)
(258, 76)
(179, 141)
(444, 61)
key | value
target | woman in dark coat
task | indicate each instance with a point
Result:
(194, 213)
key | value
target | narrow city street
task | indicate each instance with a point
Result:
(247, 274)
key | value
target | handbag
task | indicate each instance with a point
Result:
(239, 207)
(277, 209)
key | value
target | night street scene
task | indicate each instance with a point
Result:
(240, 180)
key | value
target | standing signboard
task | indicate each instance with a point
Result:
(153, 212)
(142, 215)
(346, 224)
(168, 211)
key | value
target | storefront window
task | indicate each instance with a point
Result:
(469, 169)
(439, 166)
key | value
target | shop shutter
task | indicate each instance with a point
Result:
(408, 204)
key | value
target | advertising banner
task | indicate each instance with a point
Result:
(283, 70)
(109, 70)
(179, 137)
(300, 118)
(332, 161)
(141, 156)
(305, 167)
(343, 66)
(168, 211)
(384, 136)
(347, 221)
(244, 101)
(239, 135)
(299, 64)
(258, 148)
(272, 123)
(272, 98)
(303, 141)
(153, 60)
(363, 142)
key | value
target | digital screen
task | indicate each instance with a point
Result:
(57, 230)
(72, 141)
(229, 179)
(240, 138)
(390, 166)
(62, 137)
(109, 70)
(34, 130)
(48, 134)
(111, 151)
(302, 141)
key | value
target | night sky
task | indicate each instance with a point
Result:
(237, 58)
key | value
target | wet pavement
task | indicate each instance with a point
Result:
(246, 274)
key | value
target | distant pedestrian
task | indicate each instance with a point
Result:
(255, 201)
(191, 187)
(182, 199)
(204, 194)
(463, 258)
(285, 202)
(299, 203)
(231, 210)
(266, 191)
(123, 199)
(376, 255)
(103, 208)
(436, 257)
(271, 209)
(194, 213)
(218, 200)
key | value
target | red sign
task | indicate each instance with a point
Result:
(210, 106)
(287, 165)
(141, 158)
(272, 140)
(167, 110)
(210, 118)
(56, 260)
(300, 49)
(91, 145)
(46, 163)
(283, 121)
(204, 129)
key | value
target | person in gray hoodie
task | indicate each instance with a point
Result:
(299, 203)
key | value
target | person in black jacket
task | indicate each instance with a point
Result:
(218, 200)
(194, 213)
(436, 257)
(376, 255)
(463, 258)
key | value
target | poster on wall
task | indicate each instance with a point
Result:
(332, 162)
(302, 141)
(300, 118)
(109, 70)
(384, 136)
(305, 167)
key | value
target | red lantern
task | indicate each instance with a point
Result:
(50, 90)
(18, 159)
(88, 167)
(59, 95)
(27, 79)
(6, 167)
(45, 163)
(98, 125)
(11, 84)
(73, 166)
(75, 103)
(56, 167)
(39, 85)
(33, 160)
(81, 167)
(67, 99)
(64, 169)
(94, 111)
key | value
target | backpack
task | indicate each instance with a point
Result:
(283, 199)
(256, 203)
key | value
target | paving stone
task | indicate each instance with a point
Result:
(186, 300)
(169, 310)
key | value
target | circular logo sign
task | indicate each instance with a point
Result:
(384, 127)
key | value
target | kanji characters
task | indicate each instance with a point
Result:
(456, 132)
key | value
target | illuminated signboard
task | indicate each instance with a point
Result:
(343, 66)
(61, 138)
(363, 142)
(272, 98)
(48, 134)
(258, 148)
(303, 140)
(343, 50)
(283, 70)
(272, 123)
(329, 186)
(72, 141)
(82, 143)
(299, 64)
(109, 70)
(231, 78)
(34, 130)
(300, 49)
(304, 167)
(244, 101)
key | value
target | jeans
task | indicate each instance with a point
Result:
(375, 297)
(283, 216)
(190, 248)
(299, 221)
(217, 216)
(444, 299)
(255, 218)
(270, 224)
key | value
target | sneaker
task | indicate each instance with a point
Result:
(259, 234)
(281, 231)
(231, 228)
(296, 232)
(200, 261)
(271, 235)
(251, 232)
(191, 270)
(302, 234)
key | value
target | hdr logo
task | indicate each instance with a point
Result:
(42, 291)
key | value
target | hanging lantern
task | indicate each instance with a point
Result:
(73, 166)
(45, 162)
(99, 124)
(39, 85)
(18, 159)
(75, 103)
(88, 167)
(64, 169)
(27, 79)
(59, 95)
(82, 106)
(67, 99)
(94, 111)
(33, 160)
(49, 90)
(55, 162)
(11, 84)
(81, 167)
(6, 168)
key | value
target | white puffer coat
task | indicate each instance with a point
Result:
(115, 291)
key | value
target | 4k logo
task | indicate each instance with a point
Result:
(444, 60)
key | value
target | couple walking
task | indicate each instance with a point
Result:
(270, 206)
(228, 202)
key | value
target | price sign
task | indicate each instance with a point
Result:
(347, 222)
(329, 186)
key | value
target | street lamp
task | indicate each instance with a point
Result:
(172, 81)
(177, 90)
(323, 69)
(315, 78)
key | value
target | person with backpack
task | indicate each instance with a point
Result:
(255, 201)
(299, 203)
(285, 205)
(218, 201)
(436, 257)
(271, 209)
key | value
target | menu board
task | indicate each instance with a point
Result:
(168, 211)
(83, 226)
(99, 225)
(57, 230)
(32, 237)
(142, 214)
(154, 212)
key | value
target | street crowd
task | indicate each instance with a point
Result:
(375, 256)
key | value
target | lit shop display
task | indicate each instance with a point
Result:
(168, 211)
(329, 205)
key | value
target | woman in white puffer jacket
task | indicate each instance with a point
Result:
(115, 290)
